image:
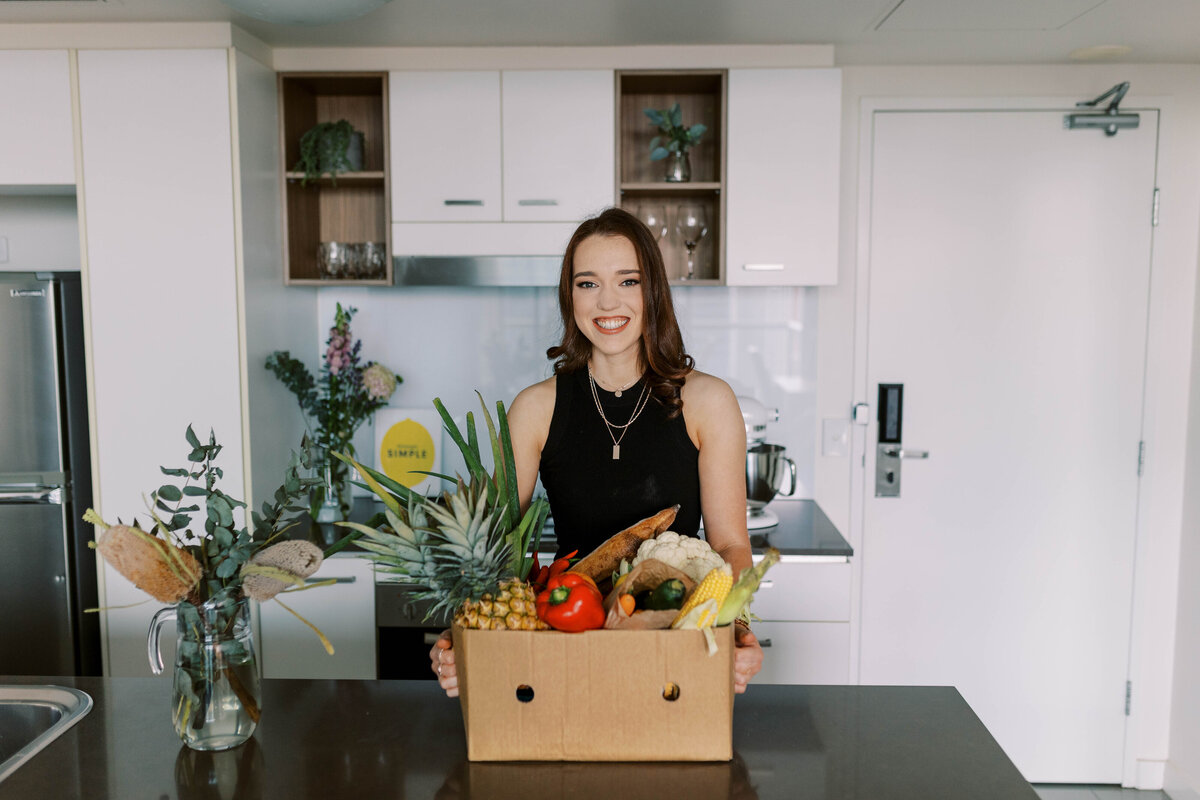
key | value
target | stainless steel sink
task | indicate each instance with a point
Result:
(32, 717)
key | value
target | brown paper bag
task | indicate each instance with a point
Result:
(646, 575)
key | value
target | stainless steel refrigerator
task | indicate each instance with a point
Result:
(47, 571)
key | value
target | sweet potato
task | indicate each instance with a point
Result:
(600, 563)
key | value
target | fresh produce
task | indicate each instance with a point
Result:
(686, 553)
(571, 603)
(513, 609)
(736, 603)
(666, 596)
(628, 604)
(467, 550)
(712, 591)
(539, 576)
(600, 563)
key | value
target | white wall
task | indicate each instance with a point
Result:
(449, 342)
(839, 487)
(42, 232)
(1183, 768)
(274, 316)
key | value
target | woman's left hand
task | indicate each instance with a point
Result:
(747, 658)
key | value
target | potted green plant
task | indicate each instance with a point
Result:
(329, 147)
(675, 141)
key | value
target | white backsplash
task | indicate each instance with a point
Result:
(450, 342)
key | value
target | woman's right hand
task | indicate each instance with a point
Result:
(441, 658)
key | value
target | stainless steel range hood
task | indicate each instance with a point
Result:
(476, 270)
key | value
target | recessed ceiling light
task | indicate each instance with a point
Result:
(1100, 52)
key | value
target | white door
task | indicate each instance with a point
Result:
(1009, 265)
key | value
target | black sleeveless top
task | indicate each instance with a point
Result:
(591, 495)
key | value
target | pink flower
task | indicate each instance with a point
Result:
(379, 381)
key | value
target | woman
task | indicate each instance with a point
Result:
(626, 427)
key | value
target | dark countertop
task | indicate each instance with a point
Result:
(803, 530)
(404, 739)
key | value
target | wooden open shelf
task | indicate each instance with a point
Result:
(640, 181)
(355, 208)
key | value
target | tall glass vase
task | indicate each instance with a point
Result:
(216, 701)
(332, 497)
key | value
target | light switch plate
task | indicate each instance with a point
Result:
(835, 437)
(3, 249)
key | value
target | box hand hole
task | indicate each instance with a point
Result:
(524, 693)
(671, 692)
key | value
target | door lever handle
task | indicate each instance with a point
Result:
(895, 451)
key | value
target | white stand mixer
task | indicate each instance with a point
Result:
(764, 462)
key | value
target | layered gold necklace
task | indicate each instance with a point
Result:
(638, 407)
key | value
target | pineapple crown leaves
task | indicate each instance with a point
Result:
(522, 533)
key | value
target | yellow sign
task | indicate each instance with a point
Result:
(406, 446)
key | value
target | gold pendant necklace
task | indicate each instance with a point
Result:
(638, 407)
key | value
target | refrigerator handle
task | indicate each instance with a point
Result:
(41, 495)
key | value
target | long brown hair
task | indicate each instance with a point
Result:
(662, 354)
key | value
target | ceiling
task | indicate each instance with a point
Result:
(862, 31)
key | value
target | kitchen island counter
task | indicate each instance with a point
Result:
(404, 739)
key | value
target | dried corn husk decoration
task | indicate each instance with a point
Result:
(155, 566)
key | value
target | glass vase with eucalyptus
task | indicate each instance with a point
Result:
(216, 701)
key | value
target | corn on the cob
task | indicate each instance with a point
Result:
(715, 586)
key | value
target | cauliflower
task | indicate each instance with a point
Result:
(687, 554)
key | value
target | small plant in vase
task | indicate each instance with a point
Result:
(329, 147)
(343, 398)
(675, 142)
(207, 575)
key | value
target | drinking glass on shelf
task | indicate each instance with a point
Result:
(374, 260)
(654, 217)
(333, 260)
(691, 223)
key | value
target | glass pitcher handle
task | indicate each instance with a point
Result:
(163, 616)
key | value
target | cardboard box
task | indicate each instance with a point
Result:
(604, 695)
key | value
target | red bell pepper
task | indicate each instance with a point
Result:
(540, 575)
(572, 603)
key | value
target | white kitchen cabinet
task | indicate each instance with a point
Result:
(559, 147)
(783, 156)
(344, 612)
(804, 652)
(36, 131)
(532, 156)
(162, 283)
(445, 146)
(804, 613)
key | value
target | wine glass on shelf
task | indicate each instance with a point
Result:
(691, 223)
(654, 217)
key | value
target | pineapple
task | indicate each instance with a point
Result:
(466, 550)
(512, 609)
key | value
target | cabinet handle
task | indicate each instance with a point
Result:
(462, 202)
(763, 267)
(347, 579)
(764, 642)
(537, 202)
(766, 584)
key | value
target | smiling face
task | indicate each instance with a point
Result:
(606, 295)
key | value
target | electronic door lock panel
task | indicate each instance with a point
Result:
(889, 453)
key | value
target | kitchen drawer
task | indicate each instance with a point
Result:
(804, 652)
(818, 592)
(345, 612)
